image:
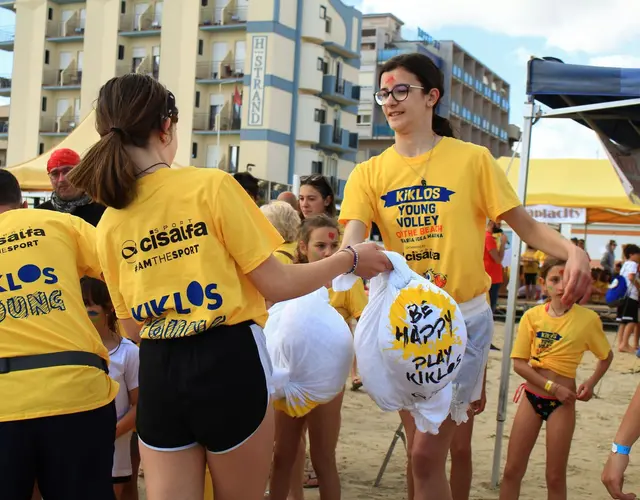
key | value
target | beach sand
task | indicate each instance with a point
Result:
(367, 433)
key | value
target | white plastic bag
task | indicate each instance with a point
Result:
(409, 344)
(311, 349)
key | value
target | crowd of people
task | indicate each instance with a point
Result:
(185, 264)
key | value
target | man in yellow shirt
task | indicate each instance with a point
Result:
(57, 418)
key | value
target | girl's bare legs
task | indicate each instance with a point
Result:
(324, 430)
(410, 431)
(118, 489)
(243, 472)
(461, 461)
(174, 474)
(560, 427)
(623, 339)
(524, 433)
(131, 488)
(296, 488)
(289, 435)
(36, 493)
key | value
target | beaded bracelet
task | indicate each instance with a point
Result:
(355, 258)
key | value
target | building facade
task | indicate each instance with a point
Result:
(264, 85)
(476, 100)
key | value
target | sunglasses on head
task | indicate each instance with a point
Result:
(309, 179)
(172, 110)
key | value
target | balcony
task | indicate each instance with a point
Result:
(230, 17)
(382, 130)
(338, 139)
(69, 78)
(340, 91)
(58, 125)
(146, 67)
(65, 31)
(207, 124)
(226, 71)
(6, 4)
(4, 128)
(7, 37)
(140, 25)
(5, 85)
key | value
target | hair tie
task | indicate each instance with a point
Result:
(117, 130)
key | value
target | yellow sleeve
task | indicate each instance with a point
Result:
(497, 195)
(524, 339)
(598, 343)
(281, 257)
(87, 255)
(111, 273)
(357, 299)
(359, 199)
(246, 233)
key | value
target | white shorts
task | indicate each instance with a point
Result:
(122, 456)
(467, 386)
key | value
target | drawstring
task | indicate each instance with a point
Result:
(519, 391)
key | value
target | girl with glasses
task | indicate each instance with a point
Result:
(430, 195)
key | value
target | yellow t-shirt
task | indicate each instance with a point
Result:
(177, 257)
(465, 186)
(558, 344)
(44, 254)
(540, 256)
(283, 251)
(530, 266)
(351, 303)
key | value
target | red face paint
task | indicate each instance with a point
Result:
(332, 236)
(389, 81)
(561, 272)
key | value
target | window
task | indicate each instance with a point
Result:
(204, 3)
(364, 119)
(323, 12)
(320, 64)
(197, 98)
(123, 7)
(44, 104)
(368, 46)
(325, 68)
(200, 47)
(327, 26)
(120, 52)
(46, 56)
(320, 115)
(41, 148)
(316, 167)
(369, 32)
(50, 14)
(194, 150)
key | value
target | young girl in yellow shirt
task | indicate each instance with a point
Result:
(319, 239)
(547, 352)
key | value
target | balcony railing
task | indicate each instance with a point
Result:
(70, 27)
(206, 122)
(219, 70)
(7, 34)
(58, 124)
(140, 22)
(146, 67)
(4, 126)
(223, 16)
(61, 77)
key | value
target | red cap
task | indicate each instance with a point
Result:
(63, 158)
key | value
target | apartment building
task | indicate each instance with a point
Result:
(270, 86)
(476, 99)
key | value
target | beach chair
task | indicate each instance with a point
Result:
(398, 434)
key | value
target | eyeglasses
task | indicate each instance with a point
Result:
(400, 92)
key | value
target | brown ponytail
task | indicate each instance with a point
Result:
(441, 126)
(128, 110)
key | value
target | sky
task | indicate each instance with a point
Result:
(503, 34)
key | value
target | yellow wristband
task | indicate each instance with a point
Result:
(548, 386)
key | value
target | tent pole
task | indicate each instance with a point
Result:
(512, 295)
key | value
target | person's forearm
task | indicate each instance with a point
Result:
(354, 233)
(522, 368)
(542, 237)
(629, 430)
(126, 423)
(601, 368)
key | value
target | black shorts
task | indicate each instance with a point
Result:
(627, 311)
(530, 279)
(70, 456)
(122, 479)
(209, 389)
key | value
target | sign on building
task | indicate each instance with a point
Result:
(256, 90)
(550, 214)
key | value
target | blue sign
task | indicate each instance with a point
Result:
(427, 38)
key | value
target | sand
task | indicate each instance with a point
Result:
(367, 433)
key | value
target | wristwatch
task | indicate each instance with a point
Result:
(620, 450)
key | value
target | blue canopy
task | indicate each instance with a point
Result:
(558, 85)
